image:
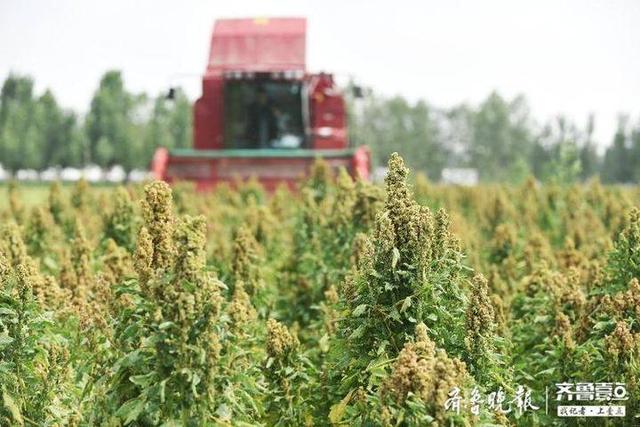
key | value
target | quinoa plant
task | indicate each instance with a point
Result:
(56, 203)
(417, 390)
(289, 379)
(164, 314)
(332, 214)
(169, 336)
(624, 260)
(120, 222)
(410, 273)
(247, 267)
(117, 263)
(38, 232)
(16, 205)
(36, 383)
(485, 351)
(80, 195)
(610, 334)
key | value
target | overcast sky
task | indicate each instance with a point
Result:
(572, 57)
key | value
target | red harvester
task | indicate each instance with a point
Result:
(261, 113)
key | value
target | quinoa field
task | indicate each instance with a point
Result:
(345, 303)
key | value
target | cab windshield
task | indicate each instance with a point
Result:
(263, 114)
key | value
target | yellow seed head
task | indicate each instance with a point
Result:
(143, 257)
(157, 208)
(280, 341)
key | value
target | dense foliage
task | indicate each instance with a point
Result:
(344, 303)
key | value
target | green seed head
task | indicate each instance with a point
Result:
(240, 309)
(143, 257)
(15, 248)
(190, 238)
(157, 208)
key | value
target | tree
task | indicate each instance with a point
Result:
(539, 157)
(395, 125)
(35, 132)
(501, 140)
(457, 135)
(589, 159)
(170, 124)
(182, 120)
(57, 135)
(19, 145)
(618, 164)
(635, 153)
(561, 140)
(111, 126)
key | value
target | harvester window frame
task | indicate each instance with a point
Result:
(237, 129)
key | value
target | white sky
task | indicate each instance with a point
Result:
(572, 57)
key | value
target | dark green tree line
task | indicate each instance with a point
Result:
(120, 128)
(498, 137)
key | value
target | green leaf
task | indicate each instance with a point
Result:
(195, 380)
(12, 407)
(324, 343)
(406, 304)
(143, 380)
(130, 331)
(131, 359)
(548, 371)
(50, 263)
(5, 340)
(163, 387)
(223, 412)
(131, 410)
(358, 332)
(338, 410)
(165, 325)
(396, 258)
(359, 310)
(382, 347)
(8, 311)
(540, 319)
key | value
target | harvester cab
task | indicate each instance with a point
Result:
(261, 114)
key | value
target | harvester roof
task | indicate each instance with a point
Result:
(258, 45)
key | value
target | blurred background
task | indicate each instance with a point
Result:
(466, 91)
